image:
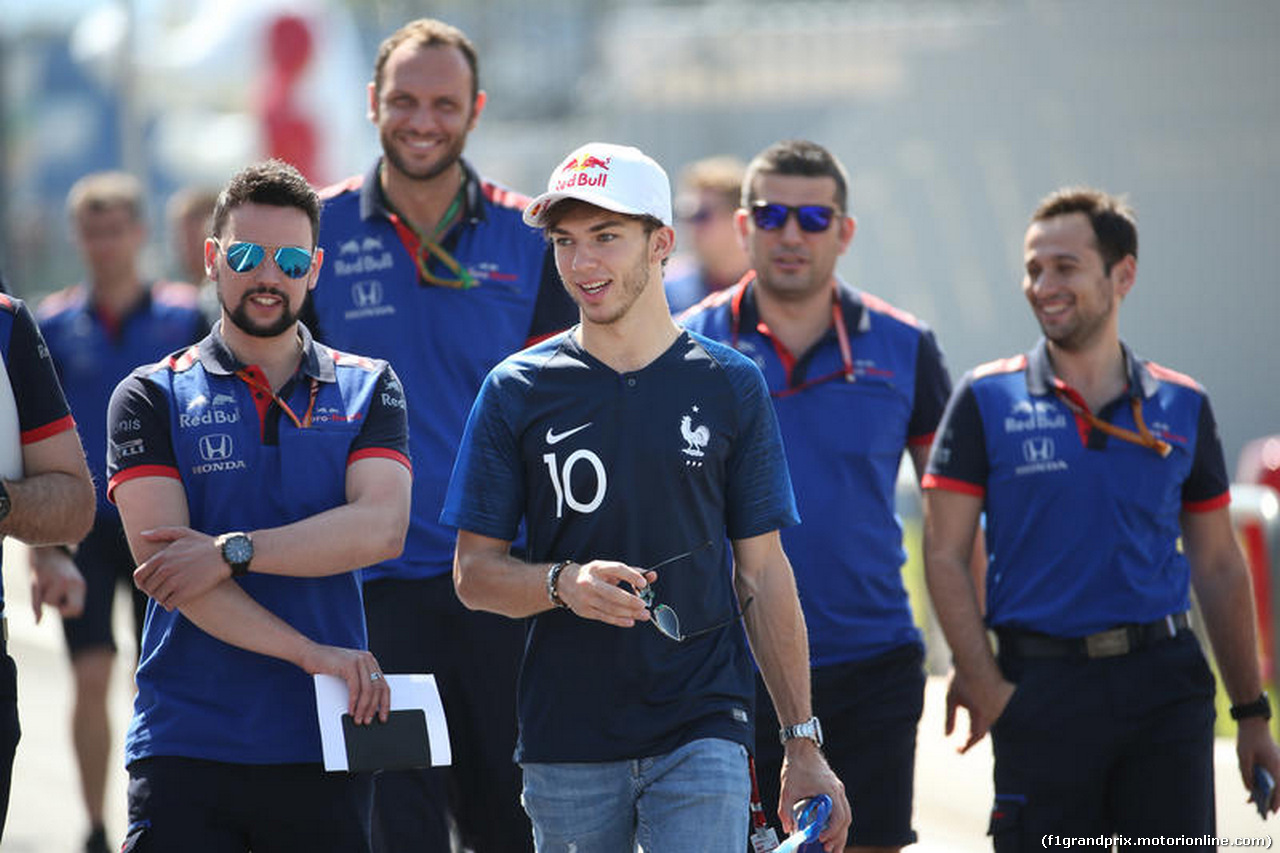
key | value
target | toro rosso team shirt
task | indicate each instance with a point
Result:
(93, 353)
(1082, 528)
(38, 403)
(442, 341)
(845, 436)
(637, 467)
(201, 417)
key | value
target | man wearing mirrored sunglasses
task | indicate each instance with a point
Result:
(97, 332)
(855, 383)
(1105, 490)
(256, 472)
(432, 269)
(639, 457)
(705, 202)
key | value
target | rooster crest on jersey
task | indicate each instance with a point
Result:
(695, 437)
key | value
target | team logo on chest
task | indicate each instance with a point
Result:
(202, 412)
(696, 437)
(1040, 456)
(368, 299)
(1026, 415)
(217, 453)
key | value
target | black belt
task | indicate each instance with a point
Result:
(1120, 640)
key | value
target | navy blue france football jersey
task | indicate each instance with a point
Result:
(636, 467)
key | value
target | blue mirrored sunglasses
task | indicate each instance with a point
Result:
(293, 261)
(813, 218)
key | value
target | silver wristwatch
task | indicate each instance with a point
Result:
(810, 728)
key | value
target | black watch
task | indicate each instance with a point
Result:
(1260, 707)
(5, 504)
(237, 550)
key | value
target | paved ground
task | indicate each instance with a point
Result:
(953, 792)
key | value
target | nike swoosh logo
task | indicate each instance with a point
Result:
(552, 438)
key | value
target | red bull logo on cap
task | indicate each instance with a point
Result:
(574, 172)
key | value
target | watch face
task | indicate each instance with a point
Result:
(237, 549)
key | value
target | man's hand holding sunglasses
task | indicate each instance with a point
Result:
(593, 590)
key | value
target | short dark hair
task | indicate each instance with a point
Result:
(272, 182)
(428, 32)
(797, 157)
(1115, 226)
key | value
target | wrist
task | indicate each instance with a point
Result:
(236, 549)
(553, 584)
(1258, 709)
(809, 731)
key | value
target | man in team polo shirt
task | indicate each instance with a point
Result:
(46, 493)
(648, 469)
(856, 383)
(255, 473)
(1090, 463)
(431, 267)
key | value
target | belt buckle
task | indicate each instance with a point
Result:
(1107, 644)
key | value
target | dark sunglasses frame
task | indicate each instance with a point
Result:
(664, 617)
(245, 256)
(812, 218)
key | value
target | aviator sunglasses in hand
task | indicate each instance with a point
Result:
(665, 619)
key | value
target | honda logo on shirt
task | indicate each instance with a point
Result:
(367, 293)
(215, 447)
(1038, 449)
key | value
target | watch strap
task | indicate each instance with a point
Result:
(1260, 707)
(810, 729)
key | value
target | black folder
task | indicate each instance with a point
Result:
(399, 743)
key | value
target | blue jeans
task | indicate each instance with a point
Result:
(693, 798)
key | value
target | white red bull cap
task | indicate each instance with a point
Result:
(616, 177)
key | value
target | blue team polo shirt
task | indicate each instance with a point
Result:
(442, 341)
(1082, 529)
(636, 467)
(844, 439)
(244, 465)
(93, 353)
(37, 396)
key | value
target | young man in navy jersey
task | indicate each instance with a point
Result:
(46, 493)
(97, 333)
(647, 467)
(1090, 464)
(855, 382)
(255, 473)
(432, 269)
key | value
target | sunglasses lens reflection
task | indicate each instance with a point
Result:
(243, 257)
(813, 218)
(293, 261)
(666, 621)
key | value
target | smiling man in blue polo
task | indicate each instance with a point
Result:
(255, 473)
(1105, 492)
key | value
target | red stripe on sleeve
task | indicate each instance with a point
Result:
(920, 440)
(40, 433)
(1209, 505)
(140, 471)
(949, 484)
(380, 453)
